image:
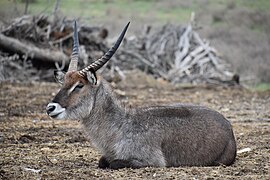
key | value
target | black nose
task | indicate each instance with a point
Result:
(50, 109)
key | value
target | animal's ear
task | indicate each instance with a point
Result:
(59, 76)
(91, 77)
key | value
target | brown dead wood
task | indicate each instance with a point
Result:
(15, 46)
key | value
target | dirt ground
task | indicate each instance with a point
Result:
(33, 146)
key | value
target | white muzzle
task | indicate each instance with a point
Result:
(55, 110)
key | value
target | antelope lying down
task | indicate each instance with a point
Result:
(158, 136)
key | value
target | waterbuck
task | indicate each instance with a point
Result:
(157, 136)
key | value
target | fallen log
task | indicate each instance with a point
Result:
(12, 45)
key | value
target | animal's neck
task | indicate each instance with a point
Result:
(105, 119)
(105, 105)
(106, 100)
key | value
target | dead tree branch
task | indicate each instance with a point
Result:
(15, 46)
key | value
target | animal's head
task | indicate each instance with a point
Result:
(79, 87)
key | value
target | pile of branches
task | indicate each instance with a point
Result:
(177, 54)
(33, 45)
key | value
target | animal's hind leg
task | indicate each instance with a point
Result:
(228, 157)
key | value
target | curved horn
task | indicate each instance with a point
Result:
(100, 62)
(75, 52)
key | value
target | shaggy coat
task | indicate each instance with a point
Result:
(159, 136)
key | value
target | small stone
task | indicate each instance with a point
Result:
(2, 138)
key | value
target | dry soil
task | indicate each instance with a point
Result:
(33, 146)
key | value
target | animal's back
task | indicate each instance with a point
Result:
(191, 135)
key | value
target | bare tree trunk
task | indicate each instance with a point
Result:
(26, 6)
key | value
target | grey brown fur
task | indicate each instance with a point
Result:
(181, 135)
(158, 136)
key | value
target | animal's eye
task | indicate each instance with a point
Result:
(78, 87)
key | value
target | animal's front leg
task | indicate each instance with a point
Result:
(130, 163)
(103, 163)
(120, 163)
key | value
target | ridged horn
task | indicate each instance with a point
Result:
(75, 51)
(100, 62)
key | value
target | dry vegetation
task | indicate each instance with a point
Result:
(238, 29)
(175, 53)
